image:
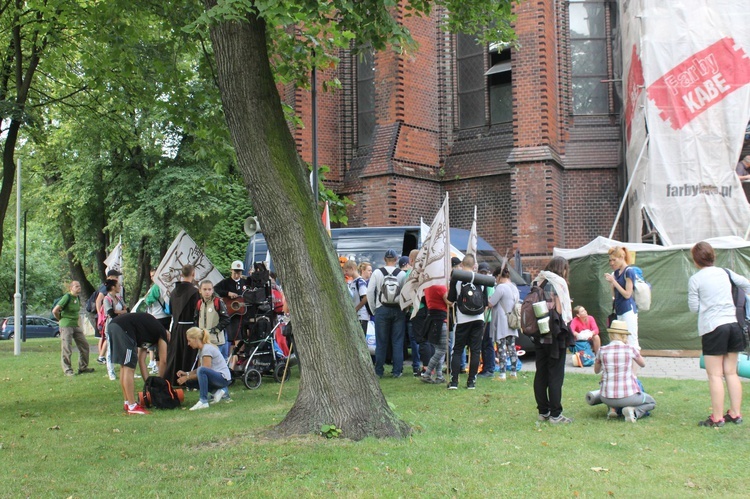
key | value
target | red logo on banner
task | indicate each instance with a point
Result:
(700, 81)
(633, 89)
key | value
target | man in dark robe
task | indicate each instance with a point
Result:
(183, 301)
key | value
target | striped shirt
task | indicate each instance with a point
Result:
(617, 371)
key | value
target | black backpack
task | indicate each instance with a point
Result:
(471, 298)
(158, 393)
(738, 296)
(91, 302)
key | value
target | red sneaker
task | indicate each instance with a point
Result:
(138, 410)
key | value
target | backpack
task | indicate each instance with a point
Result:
(529, 325)
(91, 302)
(278, 301)
(583, 355)
(158, 393)
(217, 305)
(390, 289)
(514, 316)
(738, 297)
(471, 298)
(101, 317)
(641, 290)
(54, 304)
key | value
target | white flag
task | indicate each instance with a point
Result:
(471, 244)
(114, 260)
(433, 262)
(184, 251)
(424, 231)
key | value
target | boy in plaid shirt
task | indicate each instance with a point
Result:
(619, 386)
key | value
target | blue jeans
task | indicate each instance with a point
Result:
(416, 364)
(488, 351)
(224, 349)
(208, 380)
(389, 324)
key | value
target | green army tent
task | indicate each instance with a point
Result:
(668, 324)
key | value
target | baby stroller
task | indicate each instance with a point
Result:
(259, 355)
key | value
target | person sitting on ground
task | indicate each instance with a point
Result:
(619, 386)
(212, 374)
(130, 337)
(436, 331)
(584, 328)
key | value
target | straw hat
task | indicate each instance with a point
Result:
(618, 327)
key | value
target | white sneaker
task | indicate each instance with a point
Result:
(219, 395)
(112, 376)
(501, 376)
(513, 374)
(199, 405)
(629, 413)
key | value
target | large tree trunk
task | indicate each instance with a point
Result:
(338, 384)
(76, 269)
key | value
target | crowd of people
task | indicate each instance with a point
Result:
(459, 323)
(441, 331)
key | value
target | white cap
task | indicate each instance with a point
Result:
(237, 265)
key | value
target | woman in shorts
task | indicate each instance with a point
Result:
(710, 294)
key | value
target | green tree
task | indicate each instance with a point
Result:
(338, 385)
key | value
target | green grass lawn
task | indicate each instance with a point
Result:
(69, 437)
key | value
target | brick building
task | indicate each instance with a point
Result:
(529, 134)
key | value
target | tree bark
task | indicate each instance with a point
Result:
(338, 384)
(76, 269)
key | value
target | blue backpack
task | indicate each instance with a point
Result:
(583, 355)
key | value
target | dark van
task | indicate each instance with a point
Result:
(369, 244)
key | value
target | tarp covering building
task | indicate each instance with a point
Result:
(687, 102)
(669, 324)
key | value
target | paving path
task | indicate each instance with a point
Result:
(656, 367)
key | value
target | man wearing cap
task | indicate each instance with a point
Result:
(619, 386)
(232, 288)
(383, 292)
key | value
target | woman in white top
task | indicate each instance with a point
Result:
(212, 374)
(710, 294)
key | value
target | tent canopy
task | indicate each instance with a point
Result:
(669, 324)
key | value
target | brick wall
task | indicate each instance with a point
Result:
(524, 177)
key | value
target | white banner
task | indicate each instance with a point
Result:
(691, 57)
(184, 251)
(433, 262)
(114, 260)
(471, 244)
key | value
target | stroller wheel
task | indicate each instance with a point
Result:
(252, 379)
(278, 372)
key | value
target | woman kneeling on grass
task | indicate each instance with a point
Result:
(213, 373)
(710, 294)
(619, 386)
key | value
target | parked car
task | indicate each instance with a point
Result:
(36, 327)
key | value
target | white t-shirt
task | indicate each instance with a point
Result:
(218, 363)
(358, 289)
